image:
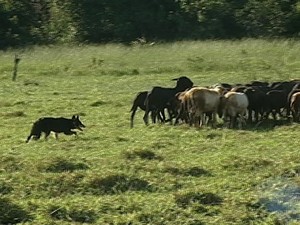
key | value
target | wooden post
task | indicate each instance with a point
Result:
(16, 61)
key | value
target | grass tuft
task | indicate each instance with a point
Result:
(62, 184)
(10, 163)
(186, 199)
(292, 172)
(29, 82)
(15, 114)
(98, 103)
(141, 154)
(5, 188)
(193, 171)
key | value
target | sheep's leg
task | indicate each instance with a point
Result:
(132, 116)
(146, 118)
(240, 121)
(250, 115)
(256, 115)
(153, 115)
(162, 116)
(201, 119)
(274, 114)
(192, 119)
(170, 115)
(232, 121)
(179, 115)
(47, 133)
(214, 120)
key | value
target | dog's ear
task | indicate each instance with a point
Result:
(74, 117)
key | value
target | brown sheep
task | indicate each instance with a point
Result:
(295, 106)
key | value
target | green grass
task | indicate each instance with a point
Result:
(160, 174)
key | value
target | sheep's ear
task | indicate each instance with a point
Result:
(175, 79)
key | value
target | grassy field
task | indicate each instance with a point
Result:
(160, 174)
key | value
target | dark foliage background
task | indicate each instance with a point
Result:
(24, 22)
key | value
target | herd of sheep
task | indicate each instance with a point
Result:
(238, 104)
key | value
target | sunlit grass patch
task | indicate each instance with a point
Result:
(11, 163)
(156, 174)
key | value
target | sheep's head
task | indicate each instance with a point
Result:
(183, 83)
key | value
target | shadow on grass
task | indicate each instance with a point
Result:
(117, 183)
(246, 163)
(58, 165)
(141, 154)
(186, 199)
(193, 171)
(11, 213)
(72, 215)
(267, 125)
(98, 103)
(14, 114)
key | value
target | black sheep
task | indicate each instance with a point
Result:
(158, 98)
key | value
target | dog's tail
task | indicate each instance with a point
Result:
(35, 131)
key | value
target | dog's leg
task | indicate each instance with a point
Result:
(56, 136)
(47, 133)
(70, 132)
(28, 138)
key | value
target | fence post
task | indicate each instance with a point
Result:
(16, 61)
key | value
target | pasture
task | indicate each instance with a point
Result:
(156, 174)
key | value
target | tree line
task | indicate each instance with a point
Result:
(26, 22)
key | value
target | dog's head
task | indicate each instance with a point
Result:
(77, 123)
